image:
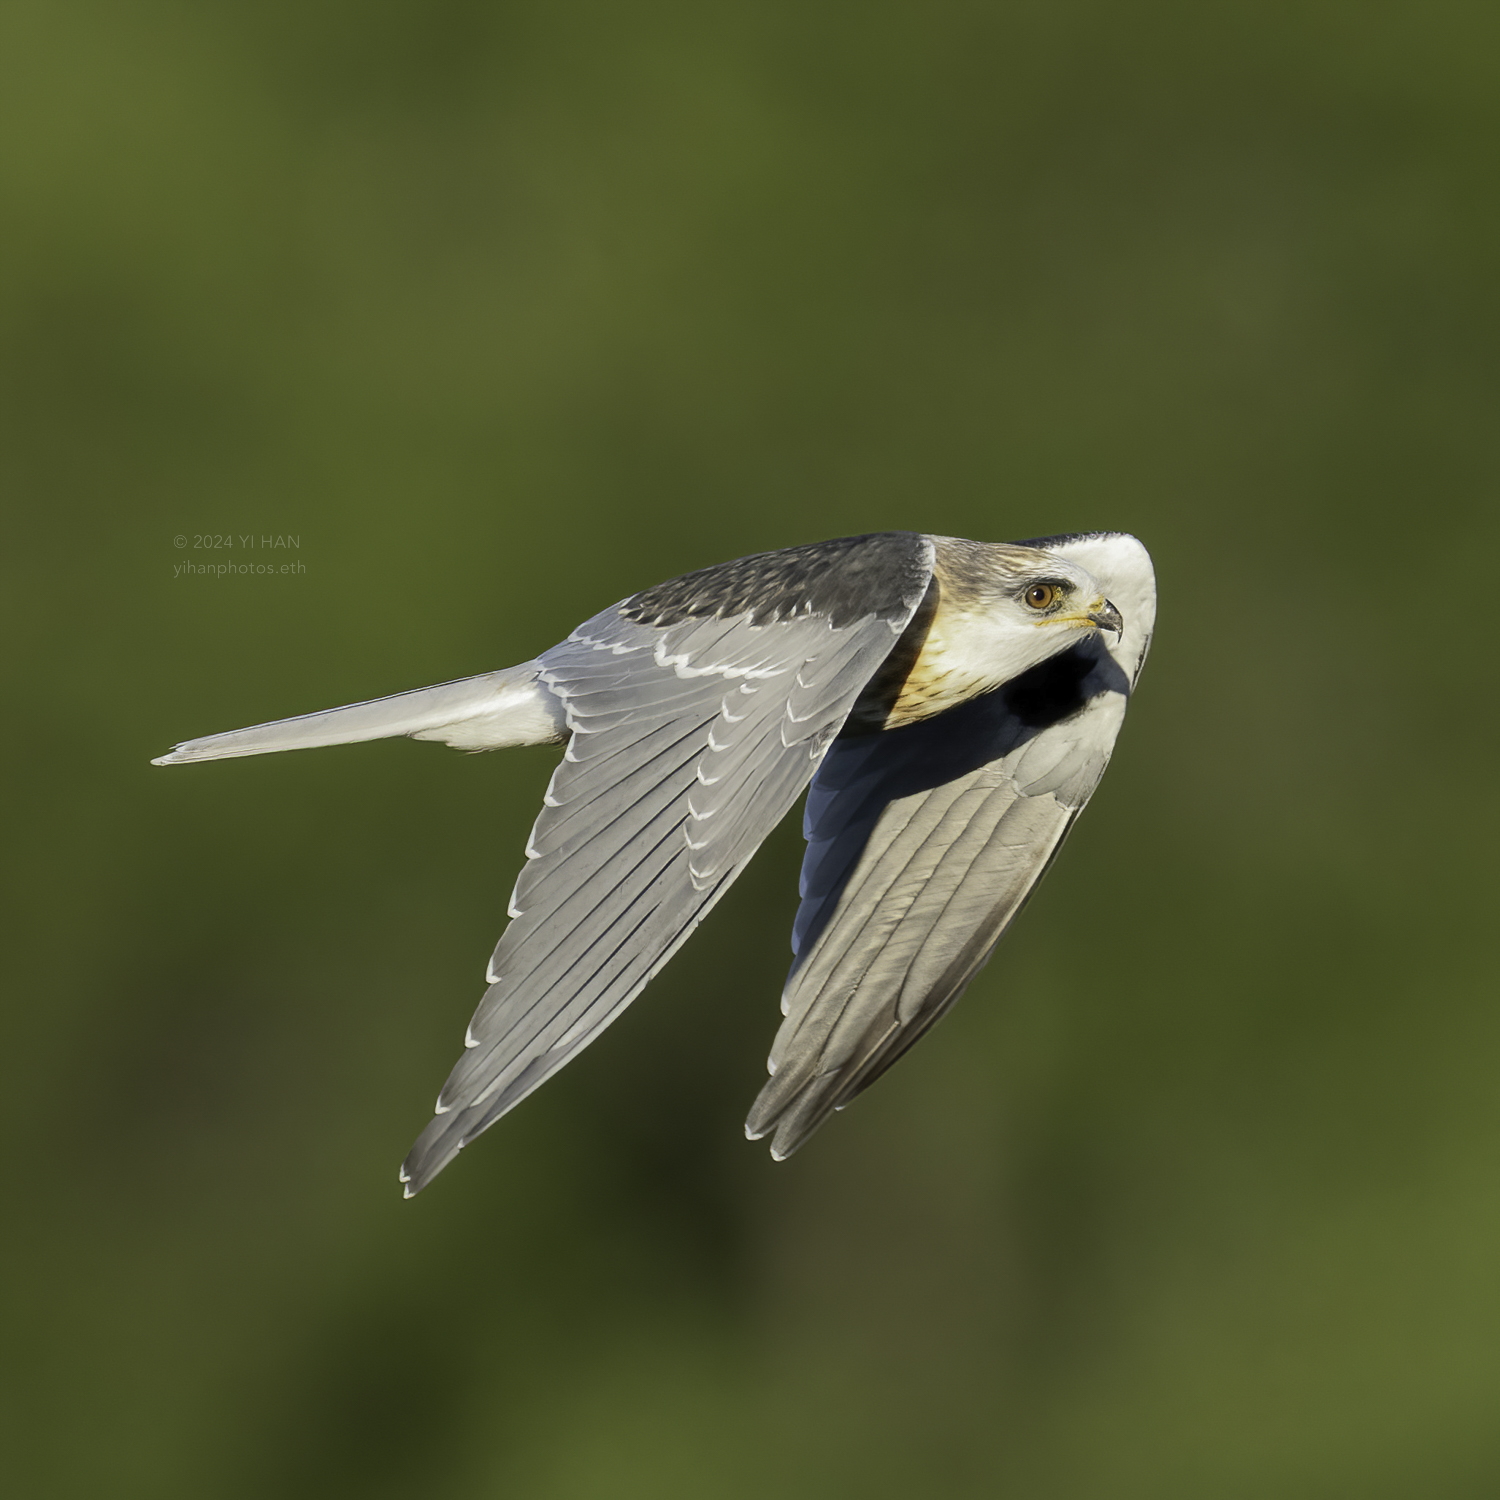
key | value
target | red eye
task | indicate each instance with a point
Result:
(1042, 595)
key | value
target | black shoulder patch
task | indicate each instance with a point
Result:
(1051, 691)
(883, 574)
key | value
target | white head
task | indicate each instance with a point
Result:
(1122, 568)
(1017, 606)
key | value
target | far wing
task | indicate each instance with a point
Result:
(692, 735)
(923, 844)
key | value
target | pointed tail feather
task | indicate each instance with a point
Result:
(488, 712)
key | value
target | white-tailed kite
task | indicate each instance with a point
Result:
(953, 704)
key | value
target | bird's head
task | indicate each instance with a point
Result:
(1025, 603)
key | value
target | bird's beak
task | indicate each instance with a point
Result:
(1105, 616)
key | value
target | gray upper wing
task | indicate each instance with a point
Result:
(698, 711)
(923, 843)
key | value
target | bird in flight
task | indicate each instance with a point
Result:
(952, 704)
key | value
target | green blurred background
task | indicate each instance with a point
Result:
(504, 311)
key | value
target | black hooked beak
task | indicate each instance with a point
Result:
(1107, 617)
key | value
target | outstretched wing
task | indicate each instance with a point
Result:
(923, 844)
(698, 711)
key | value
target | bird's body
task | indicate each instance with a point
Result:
(953, 703)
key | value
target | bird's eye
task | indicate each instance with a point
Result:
(1042, 595)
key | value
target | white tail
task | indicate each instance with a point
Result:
(488, 712)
